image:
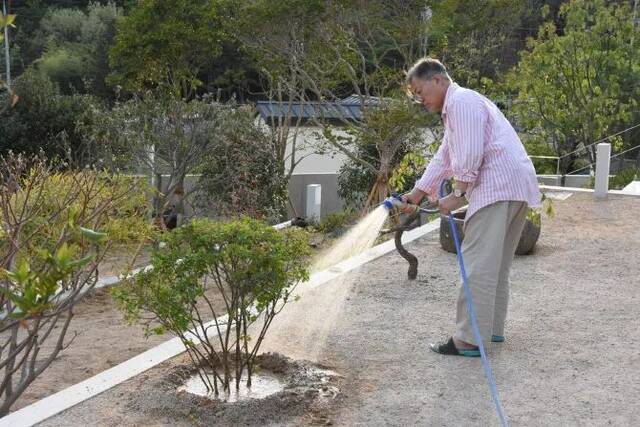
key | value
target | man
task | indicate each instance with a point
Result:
(491, 170)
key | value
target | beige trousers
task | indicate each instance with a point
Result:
(490, 240)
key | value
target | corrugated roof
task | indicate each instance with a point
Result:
(345, 109)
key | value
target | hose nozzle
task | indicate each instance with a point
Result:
(396, 200)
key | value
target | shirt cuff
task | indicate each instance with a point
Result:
(466, 175)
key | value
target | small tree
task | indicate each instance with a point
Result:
(251, 265)
(576, 86)
(241, 175)
(158, 135)
(56, 228)
(376, 145)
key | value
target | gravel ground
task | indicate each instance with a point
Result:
(571, 356)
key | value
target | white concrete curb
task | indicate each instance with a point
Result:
(71, 396)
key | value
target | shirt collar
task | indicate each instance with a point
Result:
(447, 97)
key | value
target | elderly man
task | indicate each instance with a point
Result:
(489, 164)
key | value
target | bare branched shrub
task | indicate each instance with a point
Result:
(55, 229)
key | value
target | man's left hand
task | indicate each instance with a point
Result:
(450, 203)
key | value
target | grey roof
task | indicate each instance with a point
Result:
(346, 109)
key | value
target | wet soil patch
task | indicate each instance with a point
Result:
(309, 392)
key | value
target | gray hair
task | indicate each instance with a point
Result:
(425, 69)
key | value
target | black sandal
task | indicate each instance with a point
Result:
(449, 349)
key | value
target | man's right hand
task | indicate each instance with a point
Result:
(414, 197)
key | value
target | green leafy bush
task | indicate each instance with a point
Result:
(620, 180)
(251, 266)
(336, 221)
(44, 120)
(73, 46)
(624, 178)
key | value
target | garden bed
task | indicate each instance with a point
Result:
(309, 396)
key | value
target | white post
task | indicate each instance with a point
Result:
(603, 157)
(314, 198)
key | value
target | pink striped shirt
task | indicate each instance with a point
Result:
(480, 147)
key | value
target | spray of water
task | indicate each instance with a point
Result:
(303, 327)
(360, 238)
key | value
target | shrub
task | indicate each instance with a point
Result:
(241, 176)
(619, 181)
(253, 267)
(56, 228)
(624, 178)
(43, 120)
(336, 221)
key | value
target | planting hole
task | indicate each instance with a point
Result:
(263, 384)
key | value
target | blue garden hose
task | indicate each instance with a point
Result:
(474, 319)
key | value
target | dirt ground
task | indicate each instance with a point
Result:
(571, 354)
(117, 261)
(103, 341)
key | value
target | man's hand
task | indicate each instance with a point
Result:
(450, 203)
(414, 198)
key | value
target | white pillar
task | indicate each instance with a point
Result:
(603, 157)
(314, 198)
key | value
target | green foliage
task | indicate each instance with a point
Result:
(63, 67)
(335, 222)
(5, 21)
(165, 43)
(536, 147)
(407, 171)
(252, 266)
(163, 134)
(624, 178)
(73, 45)
(31, 291)
(576, 86)
(241, 175)
(119, 204)
(535, 215)
(355, 180)
(478, 40)
(377, 145)
(617, 182)
(44, 120)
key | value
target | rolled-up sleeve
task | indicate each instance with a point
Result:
(438, 169)
(466, 140)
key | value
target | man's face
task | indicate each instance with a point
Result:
(429, 93)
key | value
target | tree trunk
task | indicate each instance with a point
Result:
(178, 208)
(379, 192)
